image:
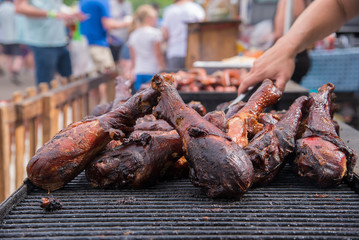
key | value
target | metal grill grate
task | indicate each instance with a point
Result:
(288, 208)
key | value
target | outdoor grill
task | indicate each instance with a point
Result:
(287, 208)
(175, 209)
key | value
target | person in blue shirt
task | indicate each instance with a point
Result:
(45, 32)
(95, 29)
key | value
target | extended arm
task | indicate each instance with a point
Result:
(320, 19)
(23, 7)
(133, 58)
(111, 23)
(159, 56)
(298, 8)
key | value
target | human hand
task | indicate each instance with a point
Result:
(276, 64)
(71, 18)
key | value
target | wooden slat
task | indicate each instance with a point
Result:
(65, 110)
(81, 107)
(94, 98)
(32, 124)
(44, 87)
(54, 84)
(75, 111)
(49, 121)
(19, 143)
(110, 90)
(5, 153)
(86, 100)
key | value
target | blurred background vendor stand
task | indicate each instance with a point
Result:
(211, 41)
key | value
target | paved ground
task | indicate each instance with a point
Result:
(7, 88)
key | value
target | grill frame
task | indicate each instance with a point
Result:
(287, 208)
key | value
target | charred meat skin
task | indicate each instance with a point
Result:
(140, 161)
(245, 121)
(69, 151)
(321, 156)
(269, 149)
(217, 164)
(217, 118)
(198, 106)
(156, 125)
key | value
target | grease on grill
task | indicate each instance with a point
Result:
(50, 204)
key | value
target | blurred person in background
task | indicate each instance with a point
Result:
(145, 46)
(302, 59)
(120, 10)
(2, 71)
(96, 27)
(125, 62)
(317, 21)
(174, 27)
(45, 32)
(9, 22)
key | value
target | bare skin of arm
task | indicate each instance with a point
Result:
(159, 56)
(165, 33)
(110, 23)
(320, 19)
(23, 7)
(298, 8)
(133, 59)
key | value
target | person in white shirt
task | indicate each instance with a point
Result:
(120, 10)
(174, 27)
(145, 46)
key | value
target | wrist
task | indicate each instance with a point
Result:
(291, 48)
(51, 14)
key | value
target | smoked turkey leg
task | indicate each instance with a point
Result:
(217, 164)
(69, 151)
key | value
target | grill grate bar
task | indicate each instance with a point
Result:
(288, 208)
(215, 212)
(188, 232)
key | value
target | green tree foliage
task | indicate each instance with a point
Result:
(70, 2)
(136, 3)
(161, 3)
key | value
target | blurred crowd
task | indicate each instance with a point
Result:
(51, 38)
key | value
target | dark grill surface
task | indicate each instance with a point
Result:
(288, 208)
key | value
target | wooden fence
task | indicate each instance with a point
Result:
(31, 119)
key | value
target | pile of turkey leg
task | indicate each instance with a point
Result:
(139, 140)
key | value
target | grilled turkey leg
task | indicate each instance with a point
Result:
(245, 121)
(322, 157)
(70, 150)
(217, 164)
(140, 161)
(270, 147)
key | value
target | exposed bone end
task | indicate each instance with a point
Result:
(159, 80)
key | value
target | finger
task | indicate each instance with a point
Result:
(281, 82)
(249, 81)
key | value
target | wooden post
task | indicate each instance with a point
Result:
(49, 121)
(31, 92)
(19, 143)
(75, 110)
(86, 100)
(44, 87)
(110, 90)
(65, 115)
(4, 153)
